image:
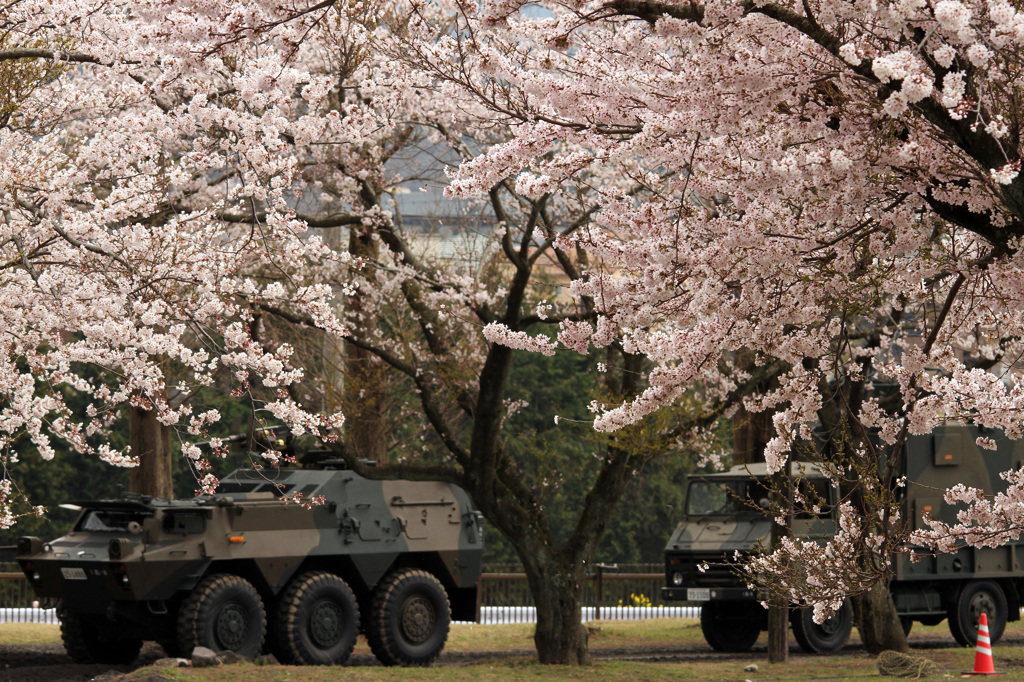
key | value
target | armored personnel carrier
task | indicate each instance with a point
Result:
(724, 518)
(292, 561)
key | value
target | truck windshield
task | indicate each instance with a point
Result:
(109, 521)
(710, 496)
(725, 497)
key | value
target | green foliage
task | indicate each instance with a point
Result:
(67, 477)
(20, 77)
(558, 458)
(562, 460)
(71, 476)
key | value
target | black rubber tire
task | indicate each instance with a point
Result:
(223, 613)
(317, 620)
(409, 619)
(976, 597)
(730, 626)
(86, 641)
(830, 636)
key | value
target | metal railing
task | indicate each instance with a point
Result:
(609, 593)
(19, 604)
(503, 597)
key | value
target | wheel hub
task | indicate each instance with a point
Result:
(831, 625)
(232, 626)
(981, 603)
(418, 619)
(325, 624)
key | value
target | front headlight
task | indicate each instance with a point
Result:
(119, 548)
(29, 545)
(677, 578)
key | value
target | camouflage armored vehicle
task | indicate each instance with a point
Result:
(722, 517)
(246, 571)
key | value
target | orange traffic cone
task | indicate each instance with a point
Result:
(983, 652)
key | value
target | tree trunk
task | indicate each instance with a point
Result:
(778, 631)
(365, 380)
(751, 431)
(561, 637)
(150, 441)
(877, 621)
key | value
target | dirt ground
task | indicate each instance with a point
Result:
(50, 663)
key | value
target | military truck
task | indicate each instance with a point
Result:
(290, 561)
(723, 517)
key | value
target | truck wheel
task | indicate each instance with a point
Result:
(409, 619)
(977, 597)
(730, 627)
(317, 620)
(223, 613)
(88, 643)
(827, 637)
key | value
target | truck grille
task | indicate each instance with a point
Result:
(721, 570)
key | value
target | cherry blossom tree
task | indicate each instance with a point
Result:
(189, 181)
(833, 186)
(829, 188)
(148, 128)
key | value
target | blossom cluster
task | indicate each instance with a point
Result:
(828, 190)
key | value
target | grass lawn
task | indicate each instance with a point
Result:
(519, 663)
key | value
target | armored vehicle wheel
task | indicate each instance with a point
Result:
(409, 619)
(224, 612)
(88, 643)
(977, 597)
(317, 620)
(829, 636)
(730, 626)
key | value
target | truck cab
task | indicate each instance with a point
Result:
(726, 517)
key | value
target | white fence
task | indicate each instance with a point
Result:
(489, 615)
(500, 615)
(33, 615)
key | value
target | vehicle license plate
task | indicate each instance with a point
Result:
(698, 594)
(75, 573)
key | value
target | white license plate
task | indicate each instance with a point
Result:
(698, 594)
(73, 573)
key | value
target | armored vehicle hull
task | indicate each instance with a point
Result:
(700, 555)
(292, 561)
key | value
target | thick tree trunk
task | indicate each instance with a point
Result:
(751, 431)
(365, 380)
(778, 632)
(150, 441)
(561, 637)
(877, 621)
(366, 429)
